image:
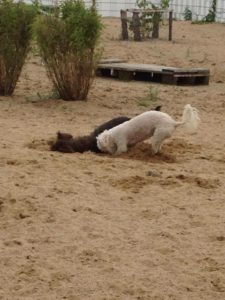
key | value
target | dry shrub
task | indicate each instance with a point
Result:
(15, 34)
(67, 42)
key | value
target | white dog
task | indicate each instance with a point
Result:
(155, 124)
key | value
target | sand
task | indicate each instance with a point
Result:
(87, 226)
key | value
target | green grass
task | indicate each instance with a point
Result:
(42, 97)
(151, 97)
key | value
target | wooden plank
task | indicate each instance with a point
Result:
(112, 60)
(149, 10)
(205, 80)
(189, 75)
(168, 79)
(186, 71)
(124, 75)
(136, 67)
(192, 71)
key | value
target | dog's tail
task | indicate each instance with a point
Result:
(190, 118)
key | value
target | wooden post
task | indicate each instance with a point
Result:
(155, 29)
(123, 16)
(94, 3)
(136, 26)
(170, 24)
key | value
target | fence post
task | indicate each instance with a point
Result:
(94, 4)
(155, 29)
(136, 26)
(123, 16)
(170, 24)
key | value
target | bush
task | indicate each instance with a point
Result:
(187, 14)
(15, 35)
(67, 43)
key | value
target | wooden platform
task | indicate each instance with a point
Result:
(154, 73)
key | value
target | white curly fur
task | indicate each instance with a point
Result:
(155, 124)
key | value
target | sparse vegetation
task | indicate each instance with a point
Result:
(15, 35)
(68, 47)
(149, 21)
(188, 52)
(210, 17)
(187, 14)
(151, 97)
(42, 97)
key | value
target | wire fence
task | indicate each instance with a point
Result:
(220, 11)
(199, 8)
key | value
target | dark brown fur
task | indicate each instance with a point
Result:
(64, 136)
(79, 144)
(158, 108)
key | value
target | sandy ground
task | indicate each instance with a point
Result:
(87, 226)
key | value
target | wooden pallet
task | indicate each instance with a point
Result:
(154, 73)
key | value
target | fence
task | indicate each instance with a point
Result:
(199, 8)
(220, 11)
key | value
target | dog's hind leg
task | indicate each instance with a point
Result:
(159, 136)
